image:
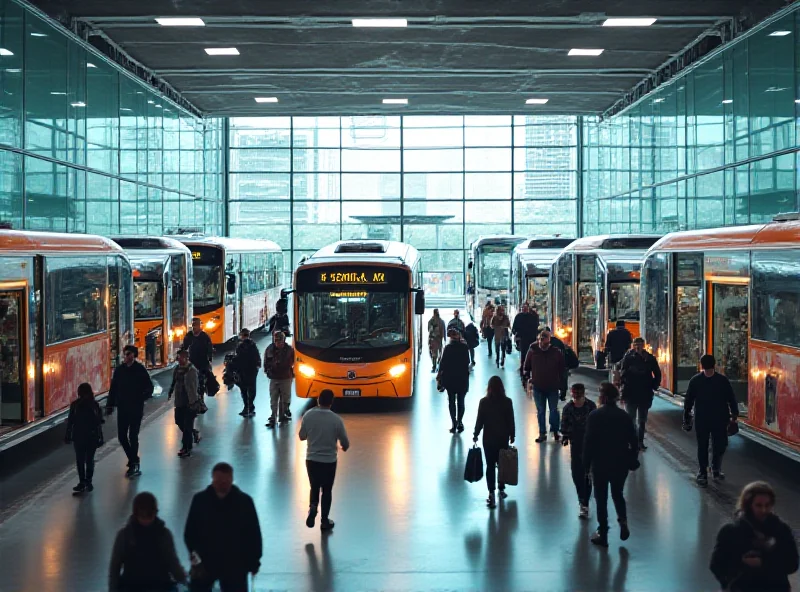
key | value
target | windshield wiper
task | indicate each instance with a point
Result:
(337, 342)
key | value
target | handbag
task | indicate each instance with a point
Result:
(198, 407)
(508, 466)
(212, 385)
(474, 470)
(733, 428)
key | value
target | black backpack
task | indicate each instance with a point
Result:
(570, 359)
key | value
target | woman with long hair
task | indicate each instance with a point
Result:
(496, 420)
(486, 324)
(757, 551)
(85, 433)
(501, 325)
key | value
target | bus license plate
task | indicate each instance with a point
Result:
(352, 392)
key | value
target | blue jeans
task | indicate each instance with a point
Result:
(542, 400)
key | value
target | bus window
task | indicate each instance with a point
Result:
(148, 299)
(76, 297)
(730, 334)
(587, 307)
(656, 304)
(776, 297)
(494, 269)
(178, 297)
(624, 302)
(689, 341)
(207, 287)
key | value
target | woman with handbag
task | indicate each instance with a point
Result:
(496, 420)
(85, 432)
(757, 551)
(187, 402)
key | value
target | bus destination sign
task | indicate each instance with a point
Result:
(352, 277)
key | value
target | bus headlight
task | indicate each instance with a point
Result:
(397, 371)
(306, 370)
(211, 323)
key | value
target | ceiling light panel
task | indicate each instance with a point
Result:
(395, 101)
(181, 22)
(586, 52)
(780, 33)
(629, 22)
(6, 52)
(219, 51)
(266, 99)
(727, 101)
(78, 104)
(380, 22)
(536, 101)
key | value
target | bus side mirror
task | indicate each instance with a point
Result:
(230, 284)
(419, 303)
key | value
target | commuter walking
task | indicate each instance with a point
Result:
(223, 535)
(472, 340)
(279, 368)
(144, 556)
(618, 342)
(201, 351)
(567, 353)
(184, 388)
(573, 431)
(486, 325)
(280, 320)
(324, 431)
(453, 376)
(711, 396)
(248, 363)
(544, 367)
(130, 387)
(640, 376)
(436, 333)
(610, 450)
(500, 325)
(525, 329)
(757, 551)
(496, 420)
(85, 432)
(456, 323)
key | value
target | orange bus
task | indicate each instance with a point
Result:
(162, 288)
(236, 283)
(595, 283)
(734, 293)
(66, 312)
(358, 329)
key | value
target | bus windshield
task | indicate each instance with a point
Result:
(494, 267)
(207, 289)
(149, 299)
(624, 304)
(355, 319)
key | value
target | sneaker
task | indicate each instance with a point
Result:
(244, 412)
(502, 494)
(312, 516)
(583, 514)
(326, 524)
(288, 414)
(130, 472)
(600, 539)
(79, 487)
(702, 479)
(137, 469)
(642, 447)
(183, 453)
(453, 429)
(556, 436)
(541, 438)
(718, 475)
(490, 501)
(624, 531)
(460, 427)
(89, 487)
(270, 422)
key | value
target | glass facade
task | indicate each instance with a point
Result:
(85, 148)
(437, 182)
(716, 146)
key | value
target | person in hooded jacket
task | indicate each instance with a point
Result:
(525, 330)
(486, 325)
(280, 320)
(473, 340)
(640, 376)
(501, 325)
(496, 420)
(143, 557)
(453, 376)
(436, 335)
(84, 431)
(184, 388)
(757, 551)
(618, 342)
(545, 368)
(223, 535)
(248, 363)
(573, 429)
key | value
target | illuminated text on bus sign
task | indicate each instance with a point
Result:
(352, 277)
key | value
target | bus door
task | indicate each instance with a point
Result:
(13, 316)
(728, 331)
(587, 308)
(688, 319)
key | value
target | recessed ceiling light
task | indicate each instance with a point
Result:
(180, 22)
(150, 102)
(55, 92)
(266, 99)
(779, 33)
(13, 70)
(395, 101)
(727, 101)
(5, 52)
(659, 100)
(217, 51)
(380, 22)
(536, 101)
(629, 22)
(776, 89)
(125, 109)
(78, 104)
(797, 101)
(157, 106)
(585, 52)
(38, 35)
(90, 65)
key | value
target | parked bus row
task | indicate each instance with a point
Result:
(69, 303)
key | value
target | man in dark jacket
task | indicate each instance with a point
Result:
(640, 376)
(573, 431)
(618, 342)
(711, 396)
(280, 320)
(279, 368)
(525, 329)
(453, 376)
(130, 387)
(248, 363)
(201, 350)
(222, 530)
(473, 340)
(544, 366)
(560, 346)
(610, 449)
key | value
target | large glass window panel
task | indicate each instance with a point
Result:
(546, 212)
(258, 160)
(546, 185)
(487, 136)
(371, 132)
(547, 158)
(11, 188)
(487, 185)
(433, 225)
(772, 183)
(46, 206)
(260, 132)
(102, 117)
(434, 160)
(487, 211)
(313, 160)
(265, 219)
(445, 137)
(370, 186)
(316, 186)
(472, 230)
(379, 220)
(433, 186)
(487, 159)
(76, 200)
(259, 186)
(11, 73)
(363, 160)
(315, 224)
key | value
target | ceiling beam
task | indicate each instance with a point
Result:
(404, 72)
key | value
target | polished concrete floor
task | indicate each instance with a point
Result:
(406, 519)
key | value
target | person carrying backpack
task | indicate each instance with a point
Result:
(85, 432)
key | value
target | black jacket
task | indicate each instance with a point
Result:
(454, 367)
(201, 350)
(471, 336)
(610, 444)
(84, 421)
(279, 322)
(526, 326)
(496, 419)
(146, 557)
(573, 424)
(712, 399)
(224, 532)
(130, 387)
(773, 541)
(618, 341)
(640, 376)
(247, 361)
